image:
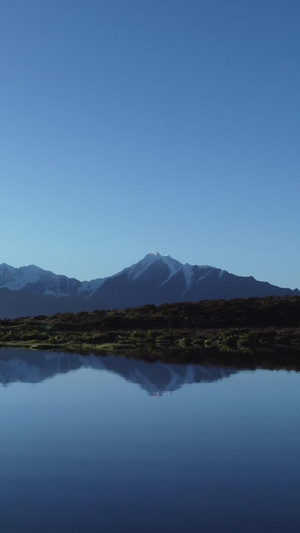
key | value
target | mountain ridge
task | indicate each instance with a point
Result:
(155, 279)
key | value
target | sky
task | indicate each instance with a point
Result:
(133, 126)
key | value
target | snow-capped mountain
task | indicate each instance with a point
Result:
(155, 279)
(158, 279)
(36, 280)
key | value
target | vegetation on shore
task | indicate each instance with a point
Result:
(240, 326)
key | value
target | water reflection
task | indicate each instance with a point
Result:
(90, 451)
(155, 378)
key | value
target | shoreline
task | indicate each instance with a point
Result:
(246, 330)
(271, 358)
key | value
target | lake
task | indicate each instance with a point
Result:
(111, 444)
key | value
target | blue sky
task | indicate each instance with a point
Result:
(130, 126)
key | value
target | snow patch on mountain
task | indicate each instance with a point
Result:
(188, 274)
(90, 287)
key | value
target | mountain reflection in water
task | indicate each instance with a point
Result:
(155, 378)
(92, 451)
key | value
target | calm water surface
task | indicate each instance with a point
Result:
(108, 444)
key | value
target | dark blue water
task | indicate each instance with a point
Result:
(110, 445)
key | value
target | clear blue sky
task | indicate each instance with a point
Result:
(130, 126)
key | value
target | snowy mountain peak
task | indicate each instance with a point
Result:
(156, 256)
(139, 269)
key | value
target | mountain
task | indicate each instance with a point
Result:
(22, 366)
(155, 279)
(160, 279)
(35, 280)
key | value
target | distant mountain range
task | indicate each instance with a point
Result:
(156, 279)
(21, 366)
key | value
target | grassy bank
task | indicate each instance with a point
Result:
(243, 326)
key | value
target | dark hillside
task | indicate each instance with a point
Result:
(250, 312)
